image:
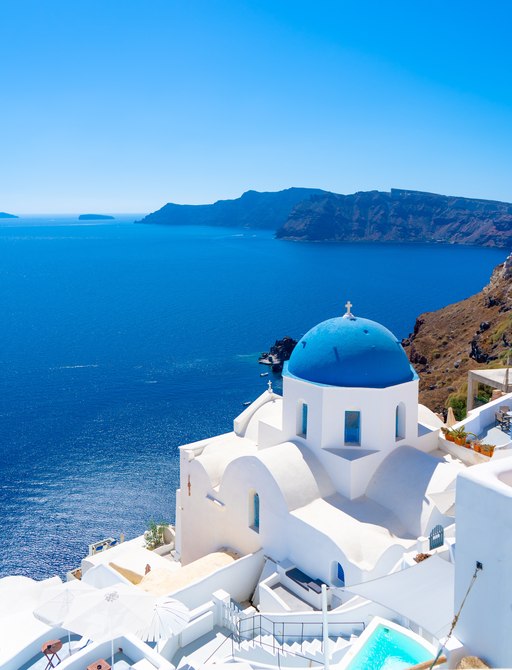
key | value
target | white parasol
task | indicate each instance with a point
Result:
(107, 613)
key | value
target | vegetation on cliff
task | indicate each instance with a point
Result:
(471, 334)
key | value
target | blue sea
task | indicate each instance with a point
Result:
(121, 341)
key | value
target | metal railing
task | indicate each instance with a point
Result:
(283, 632)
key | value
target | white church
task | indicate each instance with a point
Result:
(342, 464)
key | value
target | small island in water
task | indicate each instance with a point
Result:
(94, 217)
(5, 215)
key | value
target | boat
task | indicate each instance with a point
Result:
(263, 374)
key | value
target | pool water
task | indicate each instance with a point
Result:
(389, 649)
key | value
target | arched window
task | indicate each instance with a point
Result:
(337, 574)
(400, 422)
(254, 511)
(302, 419)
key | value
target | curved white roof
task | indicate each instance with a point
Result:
(404, 479)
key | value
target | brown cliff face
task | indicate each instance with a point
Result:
(400, 216)
(471, 334)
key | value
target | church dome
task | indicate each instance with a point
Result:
(350, 351)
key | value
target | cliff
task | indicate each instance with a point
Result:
(400, 216)
(471, 334)
(4, 215)
(251, 210)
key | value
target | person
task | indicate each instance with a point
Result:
(148, 569)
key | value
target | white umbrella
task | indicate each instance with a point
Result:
(56, 600)
(108, 613)
(169, 618)
(19, 593)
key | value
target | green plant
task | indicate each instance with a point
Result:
(154, 535)
(458, 402)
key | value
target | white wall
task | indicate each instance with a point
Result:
(484, 533)
(326, 425)
(239, 579)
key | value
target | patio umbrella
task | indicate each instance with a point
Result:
(19, 593)
(110, 612)
(169, 618)
(56, 600)
(450, 418)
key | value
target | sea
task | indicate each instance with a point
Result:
(121, 341)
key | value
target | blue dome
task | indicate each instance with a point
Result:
(351, 352)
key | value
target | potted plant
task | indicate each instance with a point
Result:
(154, 536)
(459, 435)
(487, 450)
(448, 434)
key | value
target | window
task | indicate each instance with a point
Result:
(400, 422)
(302, 419)
(337, 574)
(254, 512)
(353, 428)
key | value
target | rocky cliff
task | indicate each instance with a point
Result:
(400, 216)
(474, 333)
(251, 210)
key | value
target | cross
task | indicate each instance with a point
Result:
(270, 389)
(348, 306)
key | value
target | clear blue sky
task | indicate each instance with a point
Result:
(124, 105)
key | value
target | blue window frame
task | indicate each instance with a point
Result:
(340, 574)
(304, 423)
(353, 428)
(255, 512)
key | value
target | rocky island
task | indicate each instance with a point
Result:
(470, 334)
(251, 210)
(279, 353)
(5, 215)
(400, 216)
(94, 217)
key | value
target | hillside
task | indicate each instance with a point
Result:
(400, 216)
(471, 334)
(251, 210)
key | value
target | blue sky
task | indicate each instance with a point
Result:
(124, 105)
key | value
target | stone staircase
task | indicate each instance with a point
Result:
(265, 649)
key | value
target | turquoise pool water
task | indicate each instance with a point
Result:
(388, 649)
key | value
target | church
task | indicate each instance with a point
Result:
(333, 478)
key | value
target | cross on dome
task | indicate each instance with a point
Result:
(348, 314)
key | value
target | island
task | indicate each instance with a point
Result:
(313, 215)
(5, 215)
(252, 210)
(94, 217)
(400, 216)
(279, 352)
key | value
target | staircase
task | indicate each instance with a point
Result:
(265, 650)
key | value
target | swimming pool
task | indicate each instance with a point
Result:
(386, 646)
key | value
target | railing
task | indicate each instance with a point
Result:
(281, 631)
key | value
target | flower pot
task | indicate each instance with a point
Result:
(477, 447)
(461, 441)
(449, 437)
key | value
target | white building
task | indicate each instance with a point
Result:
(334, 477)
